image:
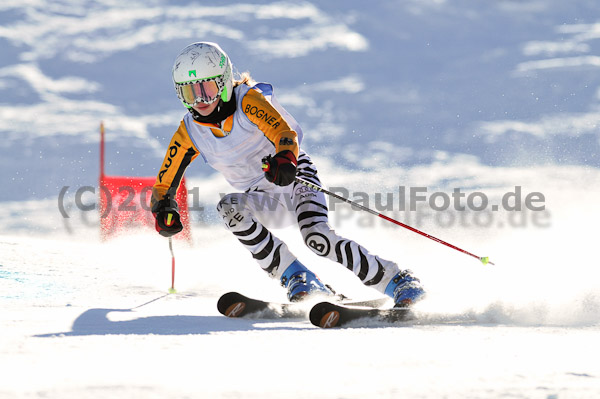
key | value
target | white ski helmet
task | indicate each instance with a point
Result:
(202, 73)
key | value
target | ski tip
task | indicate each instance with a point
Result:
(324, 315)
(231, 304)
(329, 319)
(235, 310)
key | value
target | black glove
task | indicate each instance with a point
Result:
(168, 221)
(281, 168)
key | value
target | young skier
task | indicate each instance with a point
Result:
(239, 129)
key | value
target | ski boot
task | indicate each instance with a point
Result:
(302, 283)
(405, 289)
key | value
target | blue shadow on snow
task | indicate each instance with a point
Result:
(96, 322)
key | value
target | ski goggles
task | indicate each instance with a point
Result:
(206, 91)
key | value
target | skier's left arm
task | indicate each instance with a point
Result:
(180, 154)
(281, 167)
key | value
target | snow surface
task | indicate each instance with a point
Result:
(482, 96)
(84, 320)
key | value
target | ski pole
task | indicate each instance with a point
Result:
(483, 259)
(172, 289)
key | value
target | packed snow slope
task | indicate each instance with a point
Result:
(87, 320)
(499, 100)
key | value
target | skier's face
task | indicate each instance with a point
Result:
(205, 109)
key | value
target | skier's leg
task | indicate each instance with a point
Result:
(246, 215)
(312, 215)
(238, 212)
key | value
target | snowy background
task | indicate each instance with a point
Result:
(443, 94)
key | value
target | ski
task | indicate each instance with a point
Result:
(328, 315)
(234, 304)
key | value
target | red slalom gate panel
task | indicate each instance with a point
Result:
(125, 202)
(125, 205)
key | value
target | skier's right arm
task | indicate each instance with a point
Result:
(180, 154)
